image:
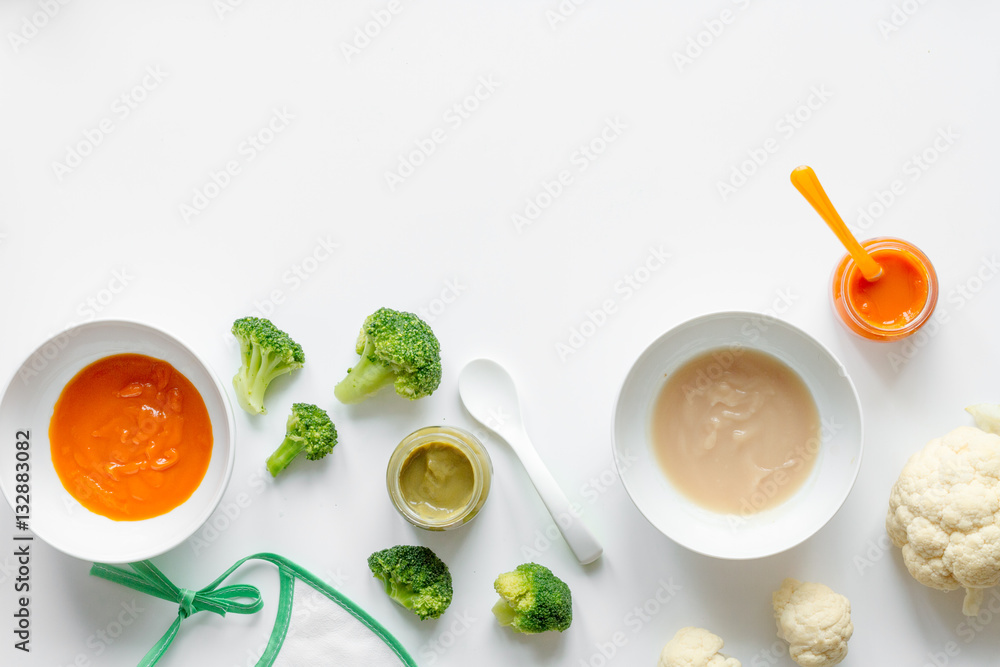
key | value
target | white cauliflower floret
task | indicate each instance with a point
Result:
(695, 647)
(815, 621)
(944, 512)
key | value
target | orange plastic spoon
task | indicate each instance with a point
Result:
(805, 181)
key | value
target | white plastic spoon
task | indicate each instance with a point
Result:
(489, 394)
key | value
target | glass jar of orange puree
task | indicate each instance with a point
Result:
(895, 305)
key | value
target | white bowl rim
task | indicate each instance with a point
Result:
(847, 487)
(211, 505)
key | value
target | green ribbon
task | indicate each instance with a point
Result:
(146, 578)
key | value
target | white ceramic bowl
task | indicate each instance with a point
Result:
(745, 535)
(27, 405)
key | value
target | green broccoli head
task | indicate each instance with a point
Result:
(265, 352)
(396, 348)
(310, 430)
(414, 577)
(533, 600)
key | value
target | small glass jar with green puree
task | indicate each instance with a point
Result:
(439, 477)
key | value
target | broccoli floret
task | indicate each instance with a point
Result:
(533, 600)
(265, 352)
(308, 430)
(396, 348)
(414, 577)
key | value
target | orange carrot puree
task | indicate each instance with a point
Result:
(897, 304)
(897, 297)
(130, 437)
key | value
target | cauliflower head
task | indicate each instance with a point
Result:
(815, 621)
(695, 647)
(944, 513)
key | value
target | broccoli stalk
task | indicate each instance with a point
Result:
(265, 353)
(396, 348)
(367, 377)
(533, 600)
(414, 577)
(504, 612)
(308, 430)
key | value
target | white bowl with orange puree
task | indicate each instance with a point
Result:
(128, 440)
(736, 435)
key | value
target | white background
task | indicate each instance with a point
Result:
(107, 236)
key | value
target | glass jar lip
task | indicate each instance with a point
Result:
(469, 445)
(847, 268)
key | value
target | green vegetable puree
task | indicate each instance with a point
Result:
(437, 480)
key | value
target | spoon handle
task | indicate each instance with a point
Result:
(581, 541)
(807, 183)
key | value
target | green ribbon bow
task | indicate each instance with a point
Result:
(146, 578)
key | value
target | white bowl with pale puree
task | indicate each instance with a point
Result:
(733, 412)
